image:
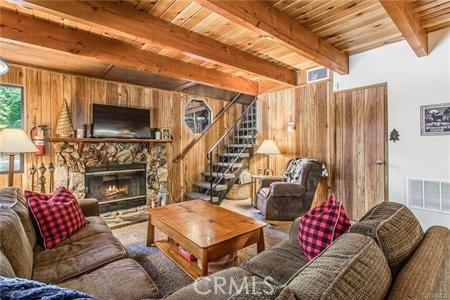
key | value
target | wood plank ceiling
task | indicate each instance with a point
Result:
(348, 26)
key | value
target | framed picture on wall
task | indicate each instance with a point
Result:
(435, 119)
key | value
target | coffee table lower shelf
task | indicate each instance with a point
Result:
(170, 249)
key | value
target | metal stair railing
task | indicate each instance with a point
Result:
(234, 133)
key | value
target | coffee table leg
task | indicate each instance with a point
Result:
(204, 263)
(261, 246)
(150, 232)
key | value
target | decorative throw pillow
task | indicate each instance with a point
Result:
(320, 226)
(56, 216)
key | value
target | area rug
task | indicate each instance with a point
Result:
(166, 274)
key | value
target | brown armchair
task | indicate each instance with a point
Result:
(285, 198)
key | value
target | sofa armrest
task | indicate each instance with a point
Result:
(294, 230)
(265, 182)
(286, 189)
(89, 206)
(429, 258)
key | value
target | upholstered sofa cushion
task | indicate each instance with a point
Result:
(418, 277)
(96, 225)
(206, 288)
(15, 199)
(122, 279)
(261, 291)
(6, 270)
(353, 267)
(396, 230)
(63, 262)
(14, 243)
(279, 262)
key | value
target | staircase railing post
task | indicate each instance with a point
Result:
(210, 176)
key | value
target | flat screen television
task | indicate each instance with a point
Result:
(120, 122)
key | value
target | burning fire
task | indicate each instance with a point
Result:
(111, 189)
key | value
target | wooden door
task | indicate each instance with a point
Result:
(360, 153)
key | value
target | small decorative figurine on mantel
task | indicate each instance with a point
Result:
(64, 127)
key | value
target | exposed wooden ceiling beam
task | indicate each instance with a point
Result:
(184, 86)
(261, 16)
(27, 30)
(123, 19)
(408, 24)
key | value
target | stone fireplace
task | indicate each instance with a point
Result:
(120, 175)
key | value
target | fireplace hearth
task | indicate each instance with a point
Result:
(117, 187)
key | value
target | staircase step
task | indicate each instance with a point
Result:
(247, 129)
(243, 137)
(226, 165)
(219, 175)
(234, 154)
(207, 185)
(195, 196)
(239, 146)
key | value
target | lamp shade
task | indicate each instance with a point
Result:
(3, 67)
(15, 141)
(268, 147)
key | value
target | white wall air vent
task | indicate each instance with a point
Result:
(432, 195)
(317, 74)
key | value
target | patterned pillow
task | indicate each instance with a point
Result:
(288, 174)
(56, 216)
(320, 226)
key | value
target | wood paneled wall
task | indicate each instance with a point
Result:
(308, 108)
(44, 92)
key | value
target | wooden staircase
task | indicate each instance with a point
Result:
(229, 156)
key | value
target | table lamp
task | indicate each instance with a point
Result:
(268, 147)
(14, 141)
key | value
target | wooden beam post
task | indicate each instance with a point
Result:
(407, 23)
(40, 33)
(262, 17)
(125, 20)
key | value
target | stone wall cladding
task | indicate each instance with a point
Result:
(71, 160)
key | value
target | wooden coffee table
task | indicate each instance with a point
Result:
(207, 231)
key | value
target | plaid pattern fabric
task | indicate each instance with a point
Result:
(320, 226)
(56, 216)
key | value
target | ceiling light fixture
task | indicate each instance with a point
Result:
(3, 67)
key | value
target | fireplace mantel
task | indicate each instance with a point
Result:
(106, 140)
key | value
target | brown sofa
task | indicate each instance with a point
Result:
(285, 198)
(92, 260)
(385, 255)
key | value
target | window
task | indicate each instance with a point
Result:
(11, 116)
(197, 116)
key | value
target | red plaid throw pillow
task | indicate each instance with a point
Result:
(320, 226)
(56, 216)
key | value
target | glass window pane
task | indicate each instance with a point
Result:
(11, 116)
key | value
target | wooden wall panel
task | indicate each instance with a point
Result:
(44, 92)
(307, 107)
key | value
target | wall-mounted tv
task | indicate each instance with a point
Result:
(120, 122)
